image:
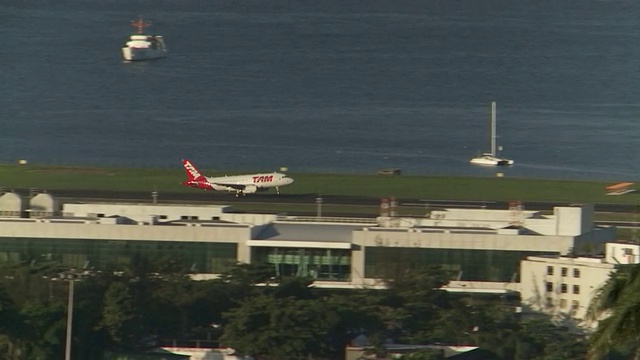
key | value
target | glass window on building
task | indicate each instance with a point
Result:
(563, 288)
(212, 258)
(565, 271)
(576, 289)
(471, 264)
(549, 270)
(320, 264)
(563, 303)
(549, 286)
(576, 273)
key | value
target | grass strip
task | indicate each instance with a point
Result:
(416, 187)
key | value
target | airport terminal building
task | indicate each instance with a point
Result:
(478, 245)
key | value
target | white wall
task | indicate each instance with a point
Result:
(565, 221)
(482, 214)
(574, 220)
(534, 276)
(163, 213)
(224, 233)
(11, 204)
(480, 240)
(141, 212)
(623, 253)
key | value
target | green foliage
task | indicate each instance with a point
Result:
(422, 314)
(10, 320)
(88, 335)
(287, 319)
(415, 303)
(292, 287)
(280, 328)
(12, 327)
(618, 302)
(120, 317)
(534, 339)
(248, 274)
(46, 329)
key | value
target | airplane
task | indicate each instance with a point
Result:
(241, 184)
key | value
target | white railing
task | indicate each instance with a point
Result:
(327, 219)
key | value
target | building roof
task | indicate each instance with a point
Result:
(594, 261)
(195, 221)
(308, 232)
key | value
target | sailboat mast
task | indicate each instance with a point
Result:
(493, 128)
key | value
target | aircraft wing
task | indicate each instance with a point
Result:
(231, 185)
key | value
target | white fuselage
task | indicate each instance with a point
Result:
(144, 47)
(240, 184)
(251, 182)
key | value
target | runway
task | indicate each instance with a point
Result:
(219, 198)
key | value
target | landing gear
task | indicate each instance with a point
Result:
(278, 190)
(240, 192)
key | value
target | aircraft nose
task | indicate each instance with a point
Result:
(289, 181)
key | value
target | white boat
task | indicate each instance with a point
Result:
(143, 47)
(491, 158)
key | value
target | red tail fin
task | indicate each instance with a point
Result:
(192, 172)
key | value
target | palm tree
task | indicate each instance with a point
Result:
(617, 303)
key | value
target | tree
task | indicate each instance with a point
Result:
(294, 287)
(12, 326)
(89, 337)
(415, 302)
(241, 279)
(270, 328)
(248, 274)
(46, 330)
(120, 316)
(358, 313)
(181, 308)
(618, 299)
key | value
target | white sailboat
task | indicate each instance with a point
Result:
(491, 158)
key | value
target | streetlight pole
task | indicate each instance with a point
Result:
(319, 207)
(67, 352)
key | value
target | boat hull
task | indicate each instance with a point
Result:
(489, 160)
(144, 47)
(138, 54)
